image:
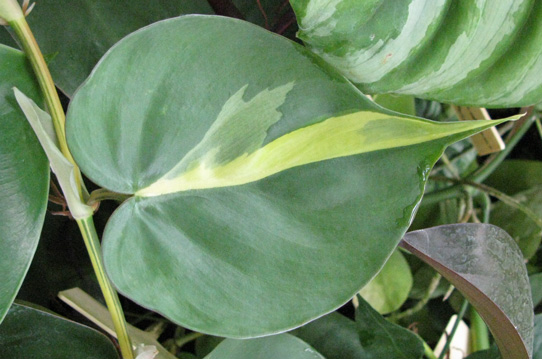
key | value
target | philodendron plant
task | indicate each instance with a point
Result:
(261, 188)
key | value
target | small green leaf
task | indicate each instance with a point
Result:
(43, 127)
(32, 333)
(24, 178)
(277, 346)
(369, 337)
(389, 289)
(485, 264)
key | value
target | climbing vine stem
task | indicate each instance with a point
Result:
(11, 13)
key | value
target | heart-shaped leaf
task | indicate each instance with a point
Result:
(74, 34)
(258, 175)
(486, 265)
(451, 51)
(24, 178)
(30, 333)
(369, 337)
(277, 346)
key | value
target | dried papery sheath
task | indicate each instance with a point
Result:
(43, 127)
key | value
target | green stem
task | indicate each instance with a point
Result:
(48, 89)
(19, 25)
(460, 316)
(483, 172)
(103, 194)
(478, 331)
(187, 338)
(428, 352)
(503, 197)
(110, 295)
(485, 204)
(421, 303)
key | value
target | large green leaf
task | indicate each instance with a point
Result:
(74, 34)
(277, 346)
(32, 333)
(486, 265)
(369, 337)
(24, 178)
(482, 53)
(260, 175)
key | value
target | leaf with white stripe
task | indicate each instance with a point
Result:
(260, 171)
(479, 53)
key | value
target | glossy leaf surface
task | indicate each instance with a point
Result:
(485, 264)
(369, 337)
(277, 346)
(24, 178)
(237, 181)
(452, 51)
(32, 333)
(74, 34)
(389, 289)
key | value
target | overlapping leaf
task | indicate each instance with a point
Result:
(482, 53)
(260, 175)
(278, 346)
(369, 337)
(24, 178)
(31, 333)
(478, 259)
(389, 289)
(74, 34)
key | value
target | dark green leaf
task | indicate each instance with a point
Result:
(537, 347)
(369, 337)
(422, 279)
(24, 178)
(5, 37)
(237, 182)
(513, 176)
(492, 353)
(451, 51)
(277, 346)
(206, 344)
(486, 265)
(32, 333)
(79, 32)
(522, 228)
(536, 288)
